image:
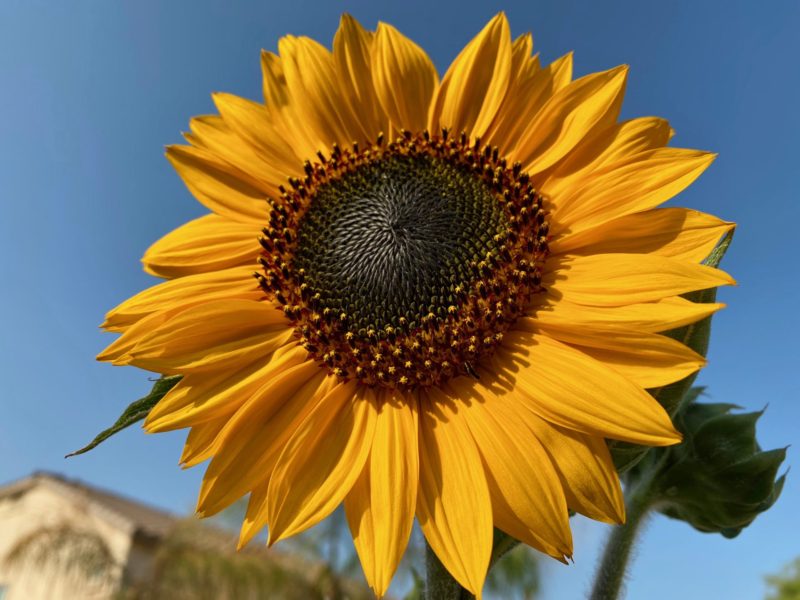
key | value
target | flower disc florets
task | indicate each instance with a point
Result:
(401, 264)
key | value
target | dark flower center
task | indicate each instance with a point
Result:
(395, 238)
(403, 264)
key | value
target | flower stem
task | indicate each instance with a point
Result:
(439, 584)
(610, 576)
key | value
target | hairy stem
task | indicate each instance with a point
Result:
(439, 584)
(610, 576)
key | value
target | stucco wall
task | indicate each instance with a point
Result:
(47, 506)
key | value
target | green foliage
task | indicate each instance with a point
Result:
(695, 336)
(785, 585)
(196, 563)
(718, 479)
(135, 412)
(328, 542)
(516, 574)
(328, 545)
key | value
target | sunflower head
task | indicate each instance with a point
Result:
(459, 290)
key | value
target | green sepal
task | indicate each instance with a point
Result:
(695, 336)
(718, 479)
(135, 412)
(502, 544)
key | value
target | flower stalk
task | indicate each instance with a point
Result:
(718, 481)
(610, 575)
(439, 583)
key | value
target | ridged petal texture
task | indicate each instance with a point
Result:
(515, 449)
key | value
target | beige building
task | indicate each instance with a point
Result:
(47, 523)
(62, 539)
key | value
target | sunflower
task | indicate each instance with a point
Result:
(458, 292)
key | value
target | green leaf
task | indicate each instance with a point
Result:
(135, 412)
(695, 336)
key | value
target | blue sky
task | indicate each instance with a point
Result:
(92, 91)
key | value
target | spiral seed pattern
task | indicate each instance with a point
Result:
(403, 264)
(395, 238)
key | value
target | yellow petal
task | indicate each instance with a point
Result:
(661, 315)
(211, 336)
(380, 507)
(322, 460)
(585, 468)
(209, 243)
(312, 81)
(237, 282)
(255, 518)
(523, 65)
(648, 359)
(352, 53)
(527, 500)
(279, 428)
(475, 84)
(213, 134)
(200, 397)
(405, 78)
(219, 186)
(571, 389)
(674, 232)
(202, 442)
(254, 124)
(255, 435)
(607, 146)
(276, 92)
(631, 185)
(526, 96)
(453, 505)
(284, 114)
(619, 279)
(569, 116)
(118, 353)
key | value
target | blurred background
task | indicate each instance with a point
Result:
(92, 91)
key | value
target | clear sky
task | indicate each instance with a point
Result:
(91, 91)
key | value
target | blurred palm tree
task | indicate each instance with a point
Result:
(197, 563)
(786, 584)
(74, 554)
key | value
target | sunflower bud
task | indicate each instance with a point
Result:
(718, 480)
